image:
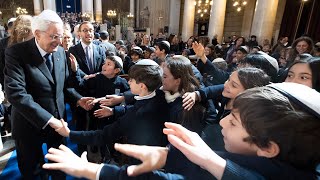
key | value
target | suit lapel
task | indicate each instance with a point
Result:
(57, 64)
(95, 56)
(39, 61)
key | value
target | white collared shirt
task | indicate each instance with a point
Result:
(84, 46)
(149, 96)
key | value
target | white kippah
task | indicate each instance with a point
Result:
(146, 62)
(183, 58)
(166, 43)
(271, 60)
(304, 96)
(137, 48)
(119, 60)
(217, 60)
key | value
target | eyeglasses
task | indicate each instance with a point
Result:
(87, 30)
(54, 37)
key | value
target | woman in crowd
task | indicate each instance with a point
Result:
(305, 71)
(240, 41)
(301, 45)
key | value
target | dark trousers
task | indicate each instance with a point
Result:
(30, 155)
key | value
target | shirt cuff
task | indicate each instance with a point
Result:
(98, 171)
(51, 119)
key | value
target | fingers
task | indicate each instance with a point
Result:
(106, 102)
(188, 104)
(64, 124)
(53, 166)
(135, 170)
(179, 144)
(130, 150)
(65, 148)
(177, 130)
(84, 156)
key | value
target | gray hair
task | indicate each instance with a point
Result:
(44, 19)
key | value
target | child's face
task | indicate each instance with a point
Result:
(134, 86)
(233, 86)
(233, 135)
(207, 51)
(135, 57)
(146, 54)
(108, 69)
(240, 55)
(300, 73)
(153, 56)
(158, 51)
(169, 83)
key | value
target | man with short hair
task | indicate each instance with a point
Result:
(36, 78)
(105, 44)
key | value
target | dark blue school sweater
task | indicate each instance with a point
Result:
(142, 124)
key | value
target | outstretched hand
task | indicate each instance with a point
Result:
(85, 103)
(199, 50)
(68, 162)
(152, 157)
(112, 100)
(105, 111)
(195, 149)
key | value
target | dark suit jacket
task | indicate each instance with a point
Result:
(98, 58)
(34, 93)
(3, 46)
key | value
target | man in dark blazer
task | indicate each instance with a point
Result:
(96, 55)
(36, 82)
(90, 58)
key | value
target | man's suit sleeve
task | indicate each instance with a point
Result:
(17, 94)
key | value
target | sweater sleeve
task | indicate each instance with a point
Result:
(211, 92)
(218, 76)
(109, 172)
(234, 171)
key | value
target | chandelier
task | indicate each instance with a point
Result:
(239, 4)
(21, 11)
(203, 8)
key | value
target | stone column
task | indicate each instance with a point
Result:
(87, 7)
(49, 4)
(137, 13)
(277, 23)
(174, 16)
(98, 10)
(264, 19)
(217, 17)
(37, 7)
(188, 19)
(132, 7)
(248, 18)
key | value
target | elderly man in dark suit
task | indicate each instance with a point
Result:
(36, 82)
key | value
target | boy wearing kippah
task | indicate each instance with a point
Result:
(141, 123)
(107, 82)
